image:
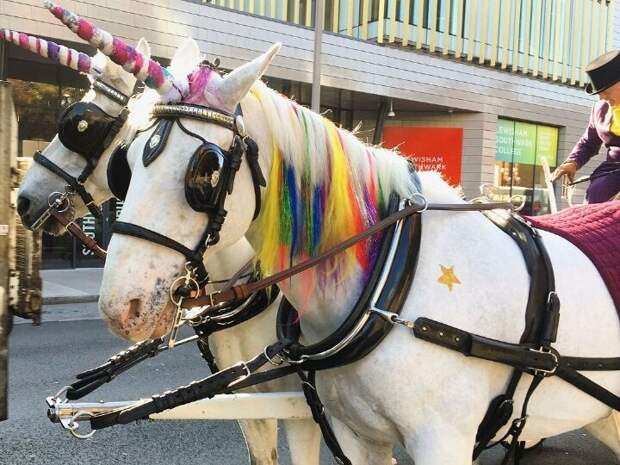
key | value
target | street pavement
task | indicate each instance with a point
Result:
(44, 358)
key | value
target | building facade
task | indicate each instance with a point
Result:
(482, 90)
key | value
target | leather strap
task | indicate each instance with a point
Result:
(244, 290)
(308, 385)
(80, 235)
(235, 377)
(588, 386)
(73, 182)
(90, 380)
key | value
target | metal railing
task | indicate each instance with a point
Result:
(551, 39)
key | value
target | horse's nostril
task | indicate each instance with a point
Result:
(134, 309)
(23, 205)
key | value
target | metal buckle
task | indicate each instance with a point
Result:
(277, 359)
(556, 362)
(241, 378)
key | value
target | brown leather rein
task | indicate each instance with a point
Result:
(243, 291)
(80, 235)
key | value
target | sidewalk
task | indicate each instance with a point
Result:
(71, 286)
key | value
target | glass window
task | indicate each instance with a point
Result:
(520, 150)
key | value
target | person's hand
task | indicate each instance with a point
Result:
(568, 168)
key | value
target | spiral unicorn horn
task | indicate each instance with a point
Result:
(57, 53)
(149, 71)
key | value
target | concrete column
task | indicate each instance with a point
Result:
(8, 146)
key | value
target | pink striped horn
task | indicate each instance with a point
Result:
(58, 53)
(152, 73)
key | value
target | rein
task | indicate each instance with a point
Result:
(79, 234)
(243, 291)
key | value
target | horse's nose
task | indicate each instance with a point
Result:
(23, 209)
(23, 205)
(126, 320)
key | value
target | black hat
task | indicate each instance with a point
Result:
(604, 72)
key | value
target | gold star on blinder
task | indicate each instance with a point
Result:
(448, 277)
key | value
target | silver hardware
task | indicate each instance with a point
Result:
(82, 126)
(73, 426)
(194, 112)
(58, 201)
(556, 362)
(154, 141)
(424, 201)
(393, 318)
(187, 280)
(215, 177)
(240, 125)
(276, 360)
(244, 376)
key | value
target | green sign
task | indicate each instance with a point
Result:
(526, 143)
(505, 140)
(547, 145)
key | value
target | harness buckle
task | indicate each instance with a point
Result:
(211, 303)
(277, 359)
(242, 377)
(542, 371)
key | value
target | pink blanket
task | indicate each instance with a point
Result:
(595, 229)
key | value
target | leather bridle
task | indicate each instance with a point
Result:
(241, 146)
(60, 202)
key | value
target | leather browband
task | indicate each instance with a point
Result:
(195, 112)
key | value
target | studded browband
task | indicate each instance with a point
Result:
(201, 113)
(110, 92)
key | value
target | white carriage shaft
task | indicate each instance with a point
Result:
(553, 204)
(273, 405)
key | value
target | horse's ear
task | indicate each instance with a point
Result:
(235, 85)
(185, 59)
(143, 47)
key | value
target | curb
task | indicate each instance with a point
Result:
(70, 299)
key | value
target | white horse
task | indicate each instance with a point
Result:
(323, 186)
(229, 346)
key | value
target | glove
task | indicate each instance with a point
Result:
(568, 168)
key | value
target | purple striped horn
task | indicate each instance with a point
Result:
(57, 53)
(152, 73)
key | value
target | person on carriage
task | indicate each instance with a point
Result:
(603, 128)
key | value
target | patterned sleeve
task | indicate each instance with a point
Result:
(588, 144)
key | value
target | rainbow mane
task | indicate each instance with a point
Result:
(325, 186)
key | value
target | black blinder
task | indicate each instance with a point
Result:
(119, 173)
(86, 129)
(204, 177)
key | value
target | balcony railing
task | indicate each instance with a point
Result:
(549, 39)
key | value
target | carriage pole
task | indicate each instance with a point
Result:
(8, 136)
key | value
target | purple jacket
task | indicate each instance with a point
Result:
(597, 133)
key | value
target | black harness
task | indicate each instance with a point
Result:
(209, 178)
(84, 128)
